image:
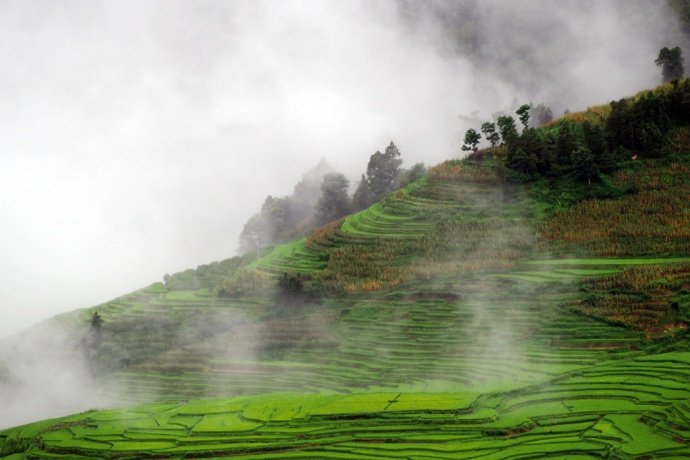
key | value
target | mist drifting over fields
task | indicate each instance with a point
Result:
(137, 137)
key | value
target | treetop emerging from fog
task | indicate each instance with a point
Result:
(671, 63)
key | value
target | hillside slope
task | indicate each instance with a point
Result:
(462, 316)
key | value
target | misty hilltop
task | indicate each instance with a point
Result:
(523, 292)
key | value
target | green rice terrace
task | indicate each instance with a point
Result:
(460, 317)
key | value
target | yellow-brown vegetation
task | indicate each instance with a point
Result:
(653, 221)
(640, 297)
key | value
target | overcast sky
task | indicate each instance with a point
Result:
(137, 137)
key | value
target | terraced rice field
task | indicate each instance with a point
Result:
(492, 361)
(292, 257)
(625, 409)
(487, 330)
(488, 364)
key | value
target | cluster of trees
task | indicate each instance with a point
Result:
(641, 125)
(585, 150)
(322, 196)
(577, 149)
(282, 218)
(384, 175)
(504, 127)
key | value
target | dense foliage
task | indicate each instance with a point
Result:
(587, 148)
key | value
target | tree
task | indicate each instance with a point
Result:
(472, 139)
(361, 199)
(407, 176)
(333, 202)
(96, 321)
(524, 162)
(620, 125)
(584, 163)
(671, 63)
(305, 195)
(267, 227)
(546, 164)
(255, 234)
(525, 153)
(506, 126)
(566, 143)
(523, 114)
(679, 100)
(594, 137)
(96, 324)
(489, 130)
(382, 171)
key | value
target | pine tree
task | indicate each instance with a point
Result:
(382, 171)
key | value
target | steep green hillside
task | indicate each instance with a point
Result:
(460, 317)
(493, 362)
